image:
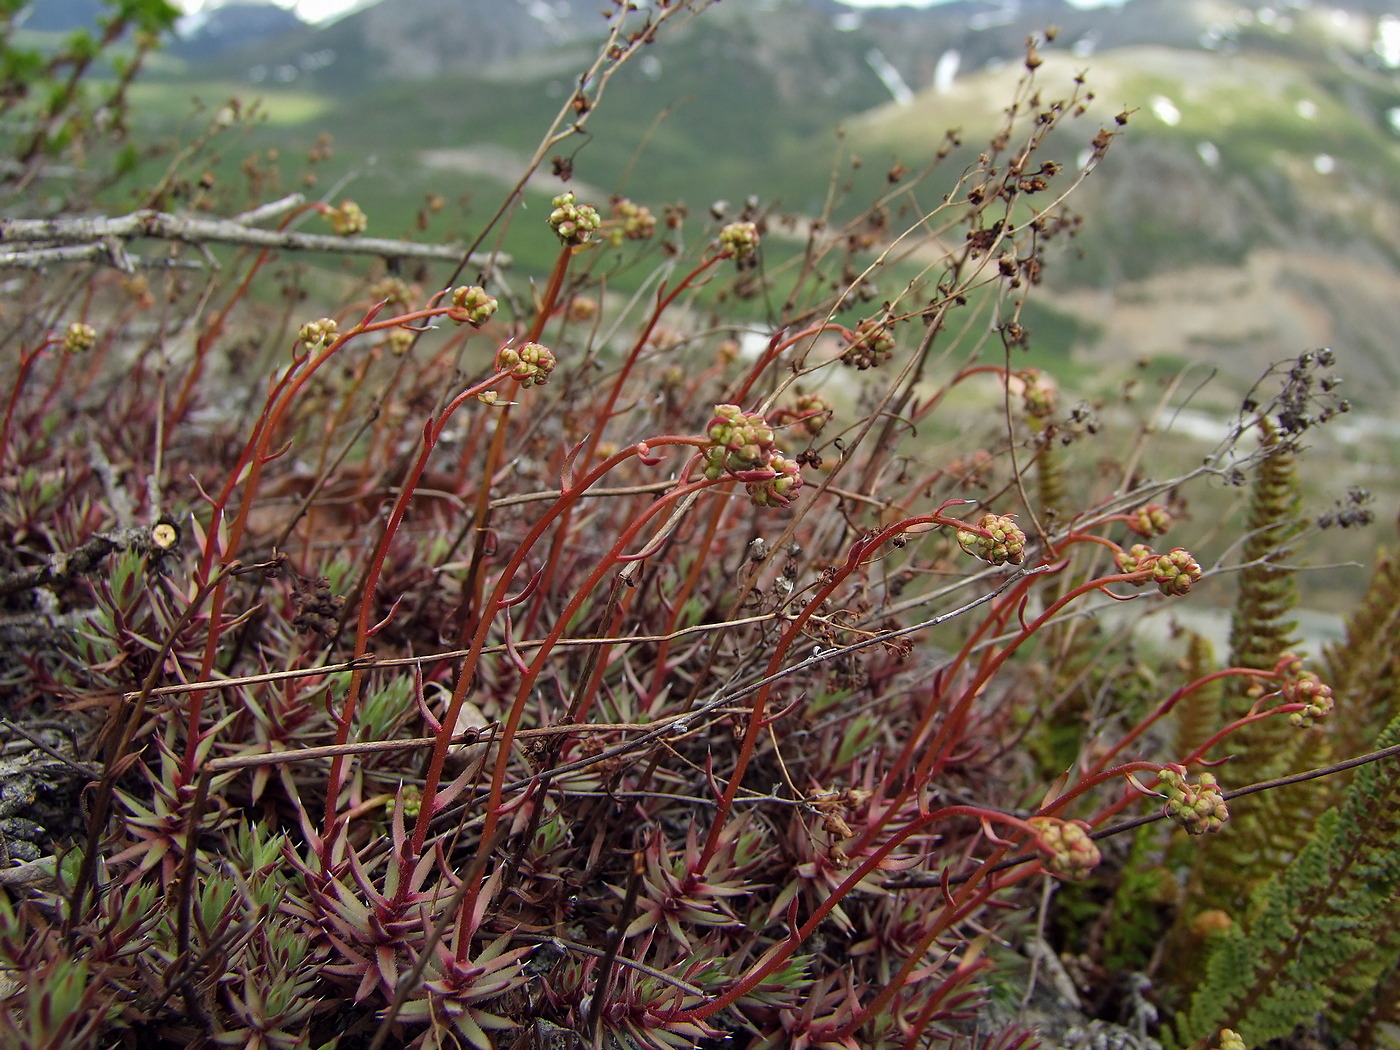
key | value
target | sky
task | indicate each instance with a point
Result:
(319, 10)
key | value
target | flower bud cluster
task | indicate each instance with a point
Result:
(471, 305)
(1297, 686)
(1039, 396)
(409, 801)
(809, 414)
(745, 446)
(394, 291)
(347, 220)
(998, 542)
(574, 223)
(1173, 572)
(1070, 852)
(1149, 520)
(1230, 1040)
(743, 441)
(1199, 807)
(529, 364)
(738, 240)
(636, 223)
(79, 337)
(319, 333)
(779, 490)
(1176, 571)
(871, 345)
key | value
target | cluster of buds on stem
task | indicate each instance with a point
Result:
(1198, 807)
(1039, 395)
(996, 540)
(1297, 686)
(634, 222)
(471, 305)
(779, 490)
(809, 414)
(743, 441)
(318, 333)
(574, 223)
(79, 337)
(1173, 572)
(529, 364)
(1176, 571)
(347, 220)
(1230, 1040)
(745, 447)
(738, 240)
(1151, 519)
(871, 345)
(1069, 851)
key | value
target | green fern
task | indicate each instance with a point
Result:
(1310, 923)
(1259, 630)
(1268, 833)
(1364, 670)
(1198, 714)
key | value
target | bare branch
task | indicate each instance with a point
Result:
(100, 237)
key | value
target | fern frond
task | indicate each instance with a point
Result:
(1362, 670)
(1266, 834)
(1310, 921)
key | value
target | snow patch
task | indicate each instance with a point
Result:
(946, 71)
(1388, 41)
(1165, 110)
(889, 76)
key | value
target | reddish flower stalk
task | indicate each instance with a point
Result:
(26, 364)
(432, 431)
(605, 413)
(497, 601)
(857, 556)
(958, 904)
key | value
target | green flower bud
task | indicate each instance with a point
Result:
(1150, 520)
(998, 542)
(1070, 853)
(1136, 558)
(872, 344)
(573, 223)
(738, 240)
(79, 337)
(319, 333)
(779, 490)
(638, 223)
(347, 220)
(1174, 573)
(528, 365)
(1199, 808)
(471, 305)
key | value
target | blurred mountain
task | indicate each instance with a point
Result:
(232, 27)
(1251, 207)
(236, 25)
